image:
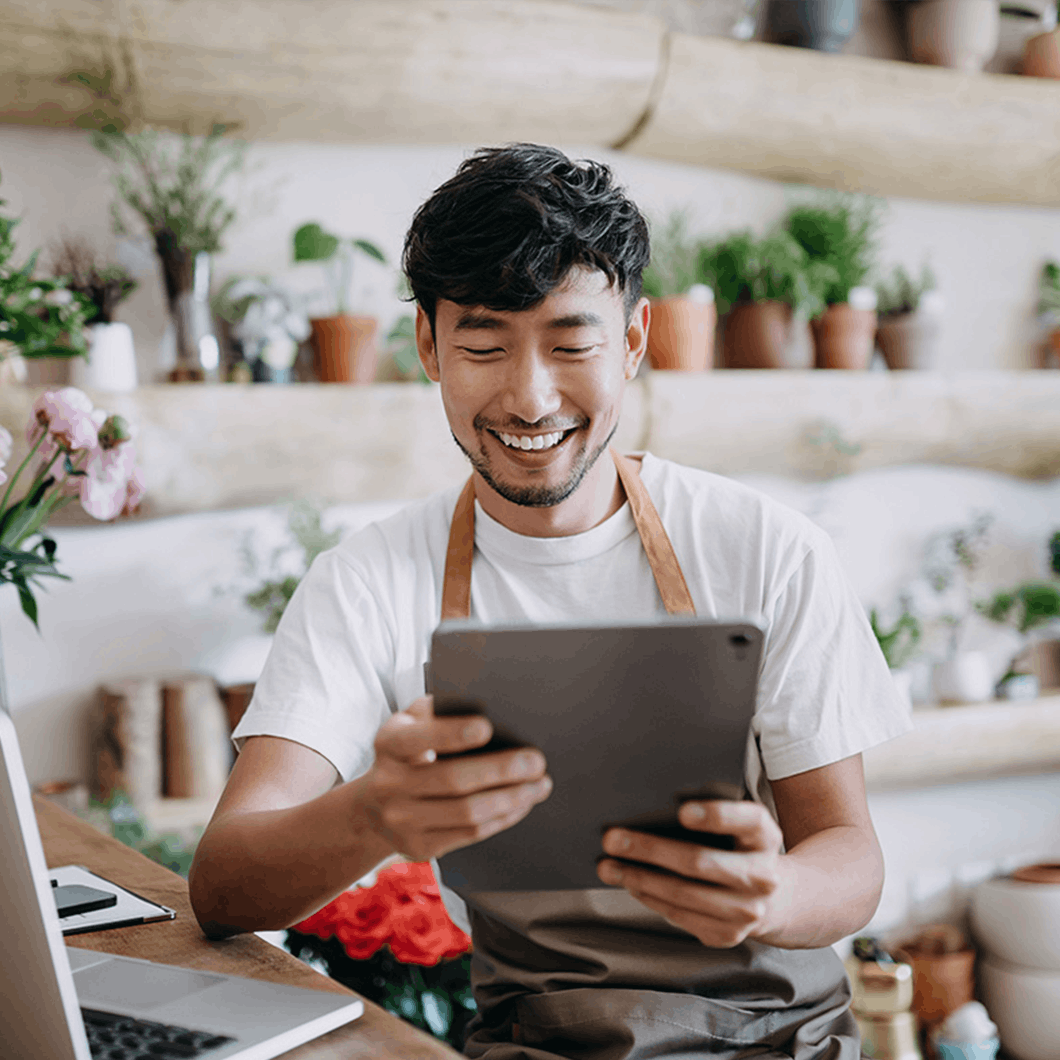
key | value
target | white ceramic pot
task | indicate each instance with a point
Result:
(968, 677)
(111, 364)
(1018, 922)
(961, 34)
(1025, 1005)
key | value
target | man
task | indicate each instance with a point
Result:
(526, 269)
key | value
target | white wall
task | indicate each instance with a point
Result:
(987, 257)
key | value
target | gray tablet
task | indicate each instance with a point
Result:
(632, 719)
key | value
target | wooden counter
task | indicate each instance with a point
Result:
(70, 841)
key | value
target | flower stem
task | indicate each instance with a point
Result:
(21, 468)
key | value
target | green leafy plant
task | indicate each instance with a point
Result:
(38, 317)
(401, 345)
(841, 233)
(313, 243)
(742, 269)
(174, 185)
(901, 293)
(674, 259)
(1049, 290)
(899, 644)
(308, 539)
(1027, 606)
(104, 287)
(1054, 553)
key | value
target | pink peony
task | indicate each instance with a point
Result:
(67, 417)
(134, 492)
(105, 485)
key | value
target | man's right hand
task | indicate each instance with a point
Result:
(425, 795)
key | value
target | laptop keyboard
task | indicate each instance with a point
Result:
(113, 1037)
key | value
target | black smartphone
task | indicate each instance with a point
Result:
(74, 898)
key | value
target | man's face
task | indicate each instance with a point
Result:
(533, 397)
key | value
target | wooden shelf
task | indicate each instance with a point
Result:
(969, 742)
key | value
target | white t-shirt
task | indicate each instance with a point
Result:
(351, 646)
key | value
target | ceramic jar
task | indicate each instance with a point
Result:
(111, 363)
(844, 337)
(681, 333)
(757, 335)
(961, 34)
(345, 348)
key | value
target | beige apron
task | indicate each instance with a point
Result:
(593, 974)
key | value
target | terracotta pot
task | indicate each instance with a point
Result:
(757, 335)
(843, 337)
(907, 340)
(681, 334)
(943, 977)
(345, 348)
(48, 371)
(961, 34)
(1041, 55)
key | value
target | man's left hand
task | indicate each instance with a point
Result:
(722, 897)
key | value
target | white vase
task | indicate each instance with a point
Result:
(967, 677)
(961, 34)
(111, 363)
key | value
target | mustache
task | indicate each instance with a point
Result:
(515, 424)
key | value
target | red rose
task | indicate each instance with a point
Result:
(421, 933)
(367, 924)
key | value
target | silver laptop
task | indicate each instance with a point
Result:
(56, 998)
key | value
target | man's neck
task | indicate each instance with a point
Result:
(597, 497)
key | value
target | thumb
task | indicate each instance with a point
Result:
(422, 708)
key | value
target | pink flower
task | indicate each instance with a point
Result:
(67, 417)
(134, 492)
(105, 484)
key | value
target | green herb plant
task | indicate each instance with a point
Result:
(899, 644)
(841, 232)
(743, 269)
(674, 259)
(1049, 290)
(308, 539)
(336, 254)
(901, 293)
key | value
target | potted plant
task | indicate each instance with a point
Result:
(1041, 53)
(760, 286)
(899, 645)
(41, 320)
(174, 185)
(111, 362)
(344, 344)
(683, 316)
(841, 234)
(267, 321)
(960, 34)
(906, 327)
(1049, 310)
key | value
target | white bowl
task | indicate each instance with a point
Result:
(1018, 922)
(1025, 1005)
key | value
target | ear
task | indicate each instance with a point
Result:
(425, 346)
(637, 336)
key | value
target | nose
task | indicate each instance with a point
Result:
(531, 392)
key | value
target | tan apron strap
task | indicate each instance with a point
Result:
(456, 587)
(664, 566)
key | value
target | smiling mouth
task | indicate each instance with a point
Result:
(532, 442)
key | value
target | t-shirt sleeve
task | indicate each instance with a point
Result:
(825, 692)
(322, 684)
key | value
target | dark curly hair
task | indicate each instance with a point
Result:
(507, 228)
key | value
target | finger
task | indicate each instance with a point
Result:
(714, 903)
(717, 934)
(751, 873)
(749, 822)
(411, 737)
(467, 774)
(471, 811)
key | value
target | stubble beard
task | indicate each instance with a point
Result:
(536, 496)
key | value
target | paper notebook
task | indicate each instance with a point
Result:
(131, 908)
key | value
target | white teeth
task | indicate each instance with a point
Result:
(537, 441)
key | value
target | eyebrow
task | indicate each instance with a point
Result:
(473, 321)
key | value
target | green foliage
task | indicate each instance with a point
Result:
(1054, 553)
(1049, 289)
(898, 644)
(1027, 606)
(401, 344)
(309, 539)
(119, 816)
(41, 318)
(741, 268)
(674, 254)
(841, 233)
(173, 183)
(313, 243)
(901, 293)
(435, 998)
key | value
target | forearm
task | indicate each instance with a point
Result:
(829, 888)
(269, 869)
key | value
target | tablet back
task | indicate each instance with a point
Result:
(628, 717)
